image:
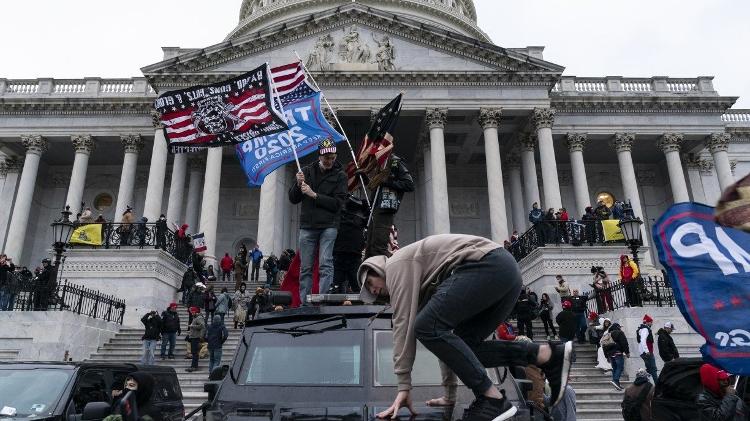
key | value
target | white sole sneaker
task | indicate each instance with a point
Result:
(568, 357)
(507, 414)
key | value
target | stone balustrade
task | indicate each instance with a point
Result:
(736, 117)
(619, 85)
(88, 87)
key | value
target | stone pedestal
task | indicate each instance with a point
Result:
(146, 279)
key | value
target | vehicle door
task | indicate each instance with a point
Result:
(91, 386)
(167, 395)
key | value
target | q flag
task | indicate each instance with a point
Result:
(307, 127)
(709, 269)
(216, 115)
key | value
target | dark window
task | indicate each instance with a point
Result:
(166, 389)
(91, 387)
(33, 393)
(328, 358)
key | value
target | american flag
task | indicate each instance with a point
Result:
(375, 149)
(291, 82)
(214, 115)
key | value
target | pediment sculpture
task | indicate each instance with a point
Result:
(354, 53)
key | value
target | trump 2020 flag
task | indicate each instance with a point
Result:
(199, 243)
(709, 268)
(217, 114)
(307, 127)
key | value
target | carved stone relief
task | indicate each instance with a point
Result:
(353, 52)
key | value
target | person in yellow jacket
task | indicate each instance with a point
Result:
(630, 276)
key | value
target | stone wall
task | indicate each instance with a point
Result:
(46, 335)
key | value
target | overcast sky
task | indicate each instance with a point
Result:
(677, 38)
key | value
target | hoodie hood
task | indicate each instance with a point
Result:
(710, 377)
(377, 264)
(623, 258)
(615, 326)
(661, 331)
(145, 387)
(216, 321)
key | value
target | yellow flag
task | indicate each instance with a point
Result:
(611, 231)
(89, 234)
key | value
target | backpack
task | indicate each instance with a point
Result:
(631, 408)
(606, 340)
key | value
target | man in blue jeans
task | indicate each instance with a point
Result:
(450, 292)
(646, 346)
(321, 189)
(616, 349)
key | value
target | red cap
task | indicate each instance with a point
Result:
(195, 309)
(593, 315)
(711, 376)
(647, 319)
(567, 304)
(172, 305)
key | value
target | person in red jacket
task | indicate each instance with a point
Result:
(227, 264)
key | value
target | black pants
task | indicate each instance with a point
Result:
(548, 324)
(255, 273)
(379, 233)
(466, 308)
(631, 294)
(195, 349)
(345, 267)
(525, 328)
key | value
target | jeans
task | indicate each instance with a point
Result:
(226, 276)
(618, 364)
(650, 361)
(466, 308)
(214, 359)
(309, 240)
(222, 317)
(149, 349)
(195, 349)
(582, 326)
(5, 300)
(345, 267)
(168, 338)
(270, 279)
(255, 271)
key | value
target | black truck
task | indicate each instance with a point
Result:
(58, 391)
(331, 363)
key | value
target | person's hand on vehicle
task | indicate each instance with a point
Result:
(403, 399)
(441, 401)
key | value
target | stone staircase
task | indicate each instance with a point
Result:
(9, 354)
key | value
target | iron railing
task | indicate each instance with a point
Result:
(554, 232)
(142, 235)
(24, 294)
(651, 291)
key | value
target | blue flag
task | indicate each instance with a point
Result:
(709, 269)
(307, 127)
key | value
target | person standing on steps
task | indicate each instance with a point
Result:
(256, 257)
(524, 315)
(667, 349)
(223, 304)
(562, 288)
(226, 264)
(567, 321)
(152, 323)
(536, 217)
(170, 328)
(216, 335)
(450, 292)
(197, 331)
(617, 351)
(636, 401)
(579, 309)
(545, 313)
(241, 302)
(646, 345)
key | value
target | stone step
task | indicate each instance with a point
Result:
(597, 403)
(9, 354)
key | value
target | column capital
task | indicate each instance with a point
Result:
(35, 144)
(718, 142)
(694, 162)
(623, 142)
(489, 118)
(132, 143)
(83, 143)
(671, 142)
(156, 120)
(543, 118)
(196, 163)
(527, 141)
(436, 118)
(575, 141)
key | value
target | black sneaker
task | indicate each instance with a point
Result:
(487, 409)
(617, 386)
(557, 369)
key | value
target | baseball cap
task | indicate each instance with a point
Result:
(326, 146)
(669, 325)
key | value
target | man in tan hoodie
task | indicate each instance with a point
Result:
(450, 292)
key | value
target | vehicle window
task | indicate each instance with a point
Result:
(166, 389)
(91, 387)
(32, 392)
(425, 371)
(327, 358)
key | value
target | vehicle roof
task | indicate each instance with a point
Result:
(326, 310)
(72, 365)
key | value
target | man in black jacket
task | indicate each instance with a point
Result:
(616, 350)
(152, 323)
(170, 328)
(667, 349)
(347, 251)
(321, 188)
(389, 195)
(524, 315)
(579, 309)
(567, 321)
(719, 400)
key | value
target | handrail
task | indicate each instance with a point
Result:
(650, 290)
(557, 232)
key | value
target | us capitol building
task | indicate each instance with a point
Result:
(485, 130)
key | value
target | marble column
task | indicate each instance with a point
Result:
(156, 172)
(132, 145)
(428, 214)
(35, 146)
(12, 169)
(83, 145)
(576, 142)
(489, 119)
(530, 182)
(177, 188)
(270, 231)
(670, 144)
(210, 205)
(623, 144)
(695, 167)
(192, 212)
(543, 119)
(516, 193)
(718, 144)
(436, 119)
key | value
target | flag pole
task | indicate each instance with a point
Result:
(283, 113)
(341, 127)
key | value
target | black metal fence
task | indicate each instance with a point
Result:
(575, 233)
(23, 294)
(142, 235)
(646, 291)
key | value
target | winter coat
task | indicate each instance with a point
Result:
(170, 322)
(331, 188)
(713, 408)
(602, 212)
(568, 323)
(620, 344)
(545, 308)
(152, 322)
(563, 289)
(241, 299)
(197, 329)
(227, 263)
(285, 259)
(392, 190)
(256, 256)
(628, 270)
(209, 301)
(127, 221)
(525, 308)
(579, 303)
(617, 211)
(196, 298)
(351, 236)
(223, 301)
(6, 270)
(143, 396)
(667, 349)
(188, 280)
(161, 227)
(216, 334)
(632, 393)
(536, 216)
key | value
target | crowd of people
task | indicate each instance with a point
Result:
(21, 289)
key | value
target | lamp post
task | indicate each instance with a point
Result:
(631, 230)
(61, 230)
